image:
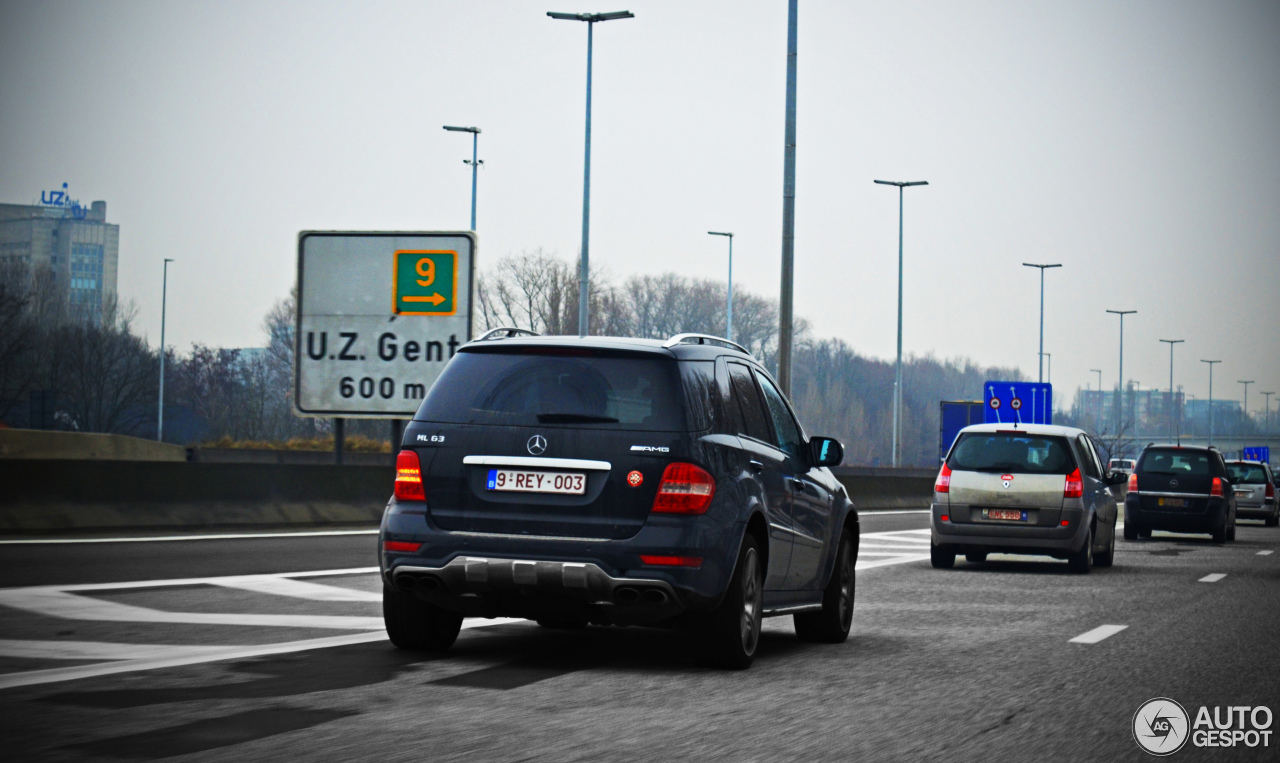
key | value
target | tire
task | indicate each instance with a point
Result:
(1231, 531)
(414, 624)
(1130, 531)
(976, 557)
(941, 557)
(729, 635)
(1273, 520)
(1220, 535)
(1108, 557)
(831, 624)
(1144, 532)
(1082, 561)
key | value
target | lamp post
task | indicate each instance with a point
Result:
(897, 376)
(584, 265)
(1120, 399)
(1042, 269)
(475, 164)
(164, 299)
(1172, 429)
(729, 311)
(1048, 356)
(786, 293)
(1210, 362)
(1266, 420)
(1246, 399)
(1098, 371)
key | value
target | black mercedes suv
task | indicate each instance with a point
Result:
(1180, 489)
(615, 481)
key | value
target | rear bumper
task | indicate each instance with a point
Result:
(994, 537)
(1213, 517)
(1255, 510)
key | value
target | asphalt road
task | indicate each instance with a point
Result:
(101, 658)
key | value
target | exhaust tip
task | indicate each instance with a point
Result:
(655, 596)
(428, 584)
(626, 595)
(404, 583)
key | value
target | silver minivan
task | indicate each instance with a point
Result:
(1255, 489)
(1027, 489)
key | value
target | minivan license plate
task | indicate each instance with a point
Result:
(521, 481)
(1013, 514)
(1177, 503)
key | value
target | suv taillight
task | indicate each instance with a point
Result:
(1074, 486)
(1133, 482)
(943, 483)
(409, 477)
(1216, 490)
(685, 489)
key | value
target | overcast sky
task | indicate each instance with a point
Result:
(1137, 143)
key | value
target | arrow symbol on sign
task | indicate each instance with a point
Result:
(434, 299)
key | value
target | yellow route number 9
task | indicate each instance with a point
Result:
(425, 282)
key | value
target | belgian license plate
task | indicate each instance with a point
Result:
(1011, 514)
(1177, 503)
(522, 481)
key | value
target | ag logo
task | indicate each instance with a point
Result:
(635, 479)
(537, 445)
(1160, 726)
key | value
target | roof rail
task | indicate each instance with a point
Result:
(507, 332)
(704, 339)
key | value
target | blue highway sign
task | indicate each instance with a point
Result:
(1262, 454)
(1018, 402)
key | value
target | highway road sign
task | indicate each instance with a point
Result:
(379, 316)
(1261, 453)
(1018, 402)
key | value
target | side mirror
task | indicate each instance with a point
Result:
(825, 451)
(1117, 478)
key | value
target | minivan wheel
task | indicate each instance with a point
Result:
(831, 624)
(1130, 531)
(1273, 520)
(1108, 557)
(414, 624)
(976, 557)
(1220, 534)
(941, 557)
(1082, 561)
(1231, 530)
(729, 634)
(1144, 531)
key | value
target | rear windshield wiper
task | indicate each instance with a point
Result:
(574, 418)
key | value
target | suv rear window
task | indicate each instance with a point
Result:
(1009, 452)
(1166, 461)
(1250, 474)
(545, 388)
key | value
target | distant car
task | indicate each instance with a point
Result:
(1182, 489)
(1034, 489)
(617, 482)
(1121, 465)
(1255, 487)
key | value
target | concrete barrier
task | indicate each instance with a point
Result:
(40, 444)
(878, 488)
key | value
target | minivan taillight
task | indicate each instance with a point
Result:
(1133, 482)
(409, 477)
(1074, 486)
(943, 483)
(1271, 490)
(685, 489)
(1216, 490)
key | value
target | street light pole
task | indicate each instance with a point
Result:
(1266, 421)
(1120, 398)
(786, 296)
(475, 164)
(1049, 357)
(897, 376)
(1172, 430)
(1098, 421)
(584, 265)
(164, 300)
(729, 311)
(1210, 362)
(1042, 269)
(1246, 398)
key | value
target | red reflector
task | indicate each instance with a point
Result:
(672, 561)
(685, 489)
(400, 545)
(1065, 522)
(1074, 486)
(946, 518)
(1133, 482)
(409, 477)
(943, 483)
(1216, 490)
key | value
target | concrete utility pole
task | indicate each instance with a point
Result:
(1210, 362)
(785, 305)
(1042, 269)
(164, 301)
(1098, 420)
(1174, 433)
(729, 313)
(1266, 421)
(897, 376)
(1246, 397)
(584, 265)
(475, 164)
(1120, 399)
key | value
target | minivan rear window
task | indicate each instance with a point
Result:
(1167, 461)
(548, 389)
(1013, 453)
(1249, 474)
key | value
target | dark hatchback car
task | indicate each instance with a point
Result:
(615, 481)
(1180, 489)
(1255, 487)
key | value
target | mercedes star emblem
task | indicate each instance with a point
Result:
(537, 445)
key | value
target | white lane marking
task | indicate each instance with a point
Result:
(98, 650)
(1097, 634)
(281, 586)
(876, 513)
(1265, 553)
(1215, 577)
(897, 546)
(901, 559)
(33, 677)
(208, 581)
(160, 538)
